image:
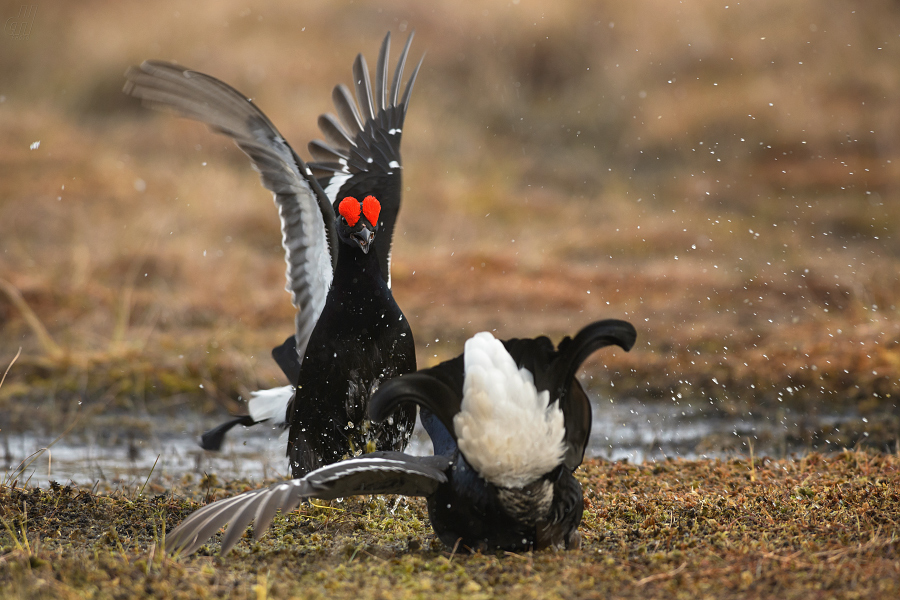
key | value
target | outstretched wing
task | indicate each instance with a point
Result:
(307, 217)
(361, 152)
(375, 473)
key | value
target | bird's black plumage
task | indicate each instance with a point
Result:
(360, 340)
(360, 157)
(466, 508)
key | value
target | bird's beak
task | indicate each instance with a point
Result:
(364, 237)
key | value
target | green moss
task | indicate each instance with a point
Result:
(718, 529)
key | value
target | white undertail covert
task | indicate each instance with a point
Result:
(271, 404)
(505, 428)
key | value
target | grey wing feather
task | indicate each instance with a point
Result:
(346, 109)
(409, 85)
(334, 133)
(398, 72)
(307, 218)
(239, 522)
(324, 153)
(375, 473)
(381, 73)
(202, 524)
(380, 473)
(363, 87)
(268, 508)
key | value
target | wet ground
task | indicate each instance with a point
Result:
(107, 455)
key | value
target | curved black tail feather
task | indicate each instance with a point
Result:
(212, 439)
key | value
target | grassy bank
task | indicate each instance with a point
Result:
(723, 176)
(819, 527)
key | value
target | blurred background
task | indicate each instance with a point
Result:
(723, 175)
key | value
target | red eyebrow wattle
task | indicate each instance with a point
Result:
(349, 209)
(371, 208)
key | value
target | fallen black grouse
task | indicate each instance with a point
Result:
(510, 423)
(336, 357)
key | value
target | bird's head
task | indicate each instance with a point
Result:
(358, 222)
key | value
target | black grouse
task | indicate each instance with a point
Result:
(509, 422)
(349, 332)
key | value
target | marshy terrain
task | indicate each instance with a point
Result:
(724, 176)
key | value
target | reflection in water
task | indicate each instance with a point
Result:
(166, 448)
(650, 431)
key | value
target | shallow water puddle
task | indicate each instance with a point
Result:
(164, 448)
(651, 431)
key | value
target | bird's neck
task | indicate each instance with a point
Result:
(354, 266)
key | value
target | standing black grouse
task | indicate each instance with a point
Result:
(509, 423)
(338, 260)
